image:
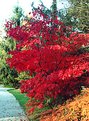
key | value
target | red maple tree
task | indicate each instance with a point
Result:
(49, 51)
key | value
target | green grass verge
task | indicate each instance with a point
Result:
(22, 98)
(8, 86)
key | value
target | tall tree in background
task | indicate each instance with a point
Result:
(54, 9)
(79, 11)
(17, 15)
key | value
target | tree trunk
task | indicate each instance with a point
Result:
(54, 9)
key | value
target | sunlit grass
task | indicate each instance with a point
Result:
(22, 98)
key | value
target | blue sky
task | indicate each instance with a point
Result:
(6, 7)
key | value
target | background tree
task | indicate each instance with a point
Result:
(79, 12)
(7, 76)
(66, 18)
(17, 15)
(54, 9)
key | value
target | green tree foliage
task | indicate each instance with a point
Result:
(66, 18)
(17, 15)
(7, 75)
(79, 12)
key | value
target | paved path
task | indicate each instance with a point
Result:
(10, 110)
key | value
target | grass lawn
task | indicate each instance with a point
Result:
(22, 98)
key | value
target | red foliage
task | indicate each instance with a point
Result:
(51, 57)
